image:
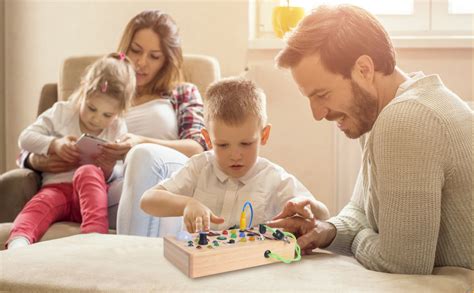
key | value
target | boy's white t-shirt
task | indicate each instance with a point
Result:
(266, 185)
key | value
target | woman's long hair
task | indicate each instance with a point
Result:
(164, 26)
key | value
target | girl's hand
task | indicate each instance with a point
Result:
(65, 148)
(196, 214)
(119, 149)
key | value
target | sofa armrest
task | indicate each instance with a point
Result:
(49, 96)
(17, 187)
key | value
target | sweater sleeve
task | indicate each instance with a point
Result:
(37, 137)
(350, 221)
(409, 152)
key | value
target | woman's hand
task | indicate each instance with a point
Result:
(119, 149)
(65, 148)
(106, 164)
(51, 163)
(197, 217)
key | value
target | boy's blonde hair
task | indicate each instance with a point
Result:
(112, 75)
(232, 100)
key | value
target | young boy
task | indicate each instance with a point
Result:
(213, 186)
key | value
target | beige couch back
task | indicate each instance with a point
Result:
(198, 69)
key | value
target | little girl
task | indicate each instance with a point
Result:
(96, 108)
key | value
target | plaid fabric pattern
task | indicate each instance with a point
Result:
(188, 105)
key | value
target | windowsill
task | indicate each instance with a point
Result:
(426, 42)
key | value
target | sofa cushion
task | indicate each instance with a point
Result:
(57, 230)
(97, 262)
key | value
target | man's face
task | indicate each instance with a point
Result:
(334, 98)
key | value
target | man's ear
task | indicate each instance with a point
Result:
(207, 138)
(265, 134)
(363, 70)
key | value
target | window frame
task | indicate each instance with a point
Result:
(422, 29)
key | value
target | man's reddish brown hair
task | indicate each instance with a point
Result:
(340, 34)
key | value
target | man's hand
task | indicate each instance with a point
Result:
(296, 225)
(311, 233)
(195, 212)
(51, 163)
(65, 148)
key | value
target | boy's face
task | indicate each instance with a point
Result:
(236, 146)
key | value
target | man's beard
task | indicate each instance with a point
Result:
(364, 111)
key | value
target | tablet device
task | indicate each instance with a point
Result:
(88, 146)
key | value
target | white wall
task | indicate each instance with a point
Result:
(39, 34)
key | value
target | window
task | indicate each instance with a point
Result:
(430, 21)
(452, 16)
(461, 6)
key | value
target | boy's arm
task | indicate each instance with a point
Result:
(173, 196)
(162, 203)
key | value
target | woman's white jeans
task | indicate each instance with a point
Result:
(145, 166)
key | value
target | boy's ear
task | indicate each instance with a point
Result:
(265, 134)
(207, 138)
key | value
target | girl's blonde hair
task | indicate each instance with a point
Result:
(164, 26)
(112, 75)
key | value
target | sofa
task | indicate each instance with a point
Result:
(118, 263)
(19, 185)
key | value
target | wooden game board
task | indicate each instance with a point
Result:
(224, 257)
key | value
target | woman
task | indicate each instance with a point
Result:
(164, 123)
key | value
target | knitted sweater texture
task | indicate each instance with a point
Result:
(412, 206)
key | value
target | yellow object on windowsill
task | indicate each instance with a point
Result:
(285, 18)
